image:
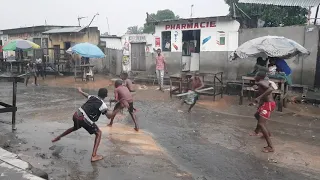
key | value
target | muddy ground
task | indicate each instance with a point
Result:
(210, 143)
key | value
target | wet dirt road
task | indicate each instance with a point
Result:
(171, 145)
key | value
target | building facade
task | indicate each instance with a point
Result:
(33, 34)
(137, 51)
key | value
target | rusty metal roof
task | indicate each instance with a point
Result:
(302, 3)
(65, 30)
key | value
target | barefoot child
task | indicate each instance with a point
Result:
(266, 106)
(31, 71)
(124, 99)
(196, 84)
(85, 117)
(127, 82)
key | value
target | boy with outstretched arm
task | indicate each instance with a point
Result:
(86, 116)
(266, 106)
(124, 99)
(195, 84)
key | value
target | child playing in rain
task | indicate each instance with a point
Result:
(86, 116)
(31, 71)
(127, 82)
(266, 106)
(124, 99)
(196, 84)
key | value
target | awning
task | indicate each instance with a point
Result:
(301, 3)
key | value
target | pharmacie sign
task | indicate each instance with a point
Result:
(195, 25)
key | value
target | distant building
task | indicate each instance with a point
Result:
(197, 44)
(61, 39)
(111, 41)
(33, 33)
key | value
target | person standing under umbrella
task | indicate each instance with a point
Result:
(160, 68)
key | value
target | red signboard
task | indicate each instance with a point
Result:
(196, 25)
(157, 41)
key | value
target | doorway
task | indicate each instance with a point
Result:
(56, 51)
(191, 50)
(138, 56)
(37, 52)
(67, 45)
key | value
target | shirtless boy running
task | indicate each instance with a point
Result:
(266, 106)
(124, 99)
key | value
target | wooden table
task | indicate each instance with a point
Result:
(182, 79)
(7, 107)
(282, 91)
(85, 73)
(21, 64)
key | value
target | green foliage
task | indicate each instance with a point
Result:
(159, 16)
(134, 30)
(273, 16)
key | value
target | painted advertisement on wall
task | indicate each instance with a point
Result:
(126, 63)
(149, 40)
(5, 40)
(176, 41)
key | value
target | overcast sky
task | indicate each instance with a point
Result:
(121, 13)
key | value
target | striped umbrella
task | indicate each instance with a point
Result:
(20, 44)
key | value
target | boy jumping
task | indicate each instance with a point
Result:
(85, 117)
(124, 99)
(266, 106)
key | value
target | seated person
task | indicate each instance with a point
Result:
(272, 69)
(281, 65)
(260, 65)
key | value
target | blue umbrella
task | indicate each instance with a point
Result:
(87, 50)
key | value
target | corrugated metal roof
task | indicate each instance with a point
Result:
(65, 30)
(302, 3)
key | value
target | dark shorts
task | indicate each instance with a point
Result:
(120, 106)
(79, 121)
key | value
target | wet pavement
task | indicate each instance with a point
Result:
(172, 144)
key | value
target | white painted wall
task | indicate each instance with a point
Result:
(5, 39)
(211, 28)
(112, 43)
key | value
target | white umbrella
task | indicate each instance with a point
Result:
(272, 46)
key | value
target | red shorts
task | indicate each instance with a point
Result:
(266, 109)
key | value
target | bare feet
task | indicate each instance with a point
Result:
(136, 129)
(96, 158)
(267, 149)
(109, 125)
(254, 134)
(56, 139)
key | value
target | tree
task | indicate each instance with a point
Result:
(161, 15)
(273, 16)
(134, 30)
